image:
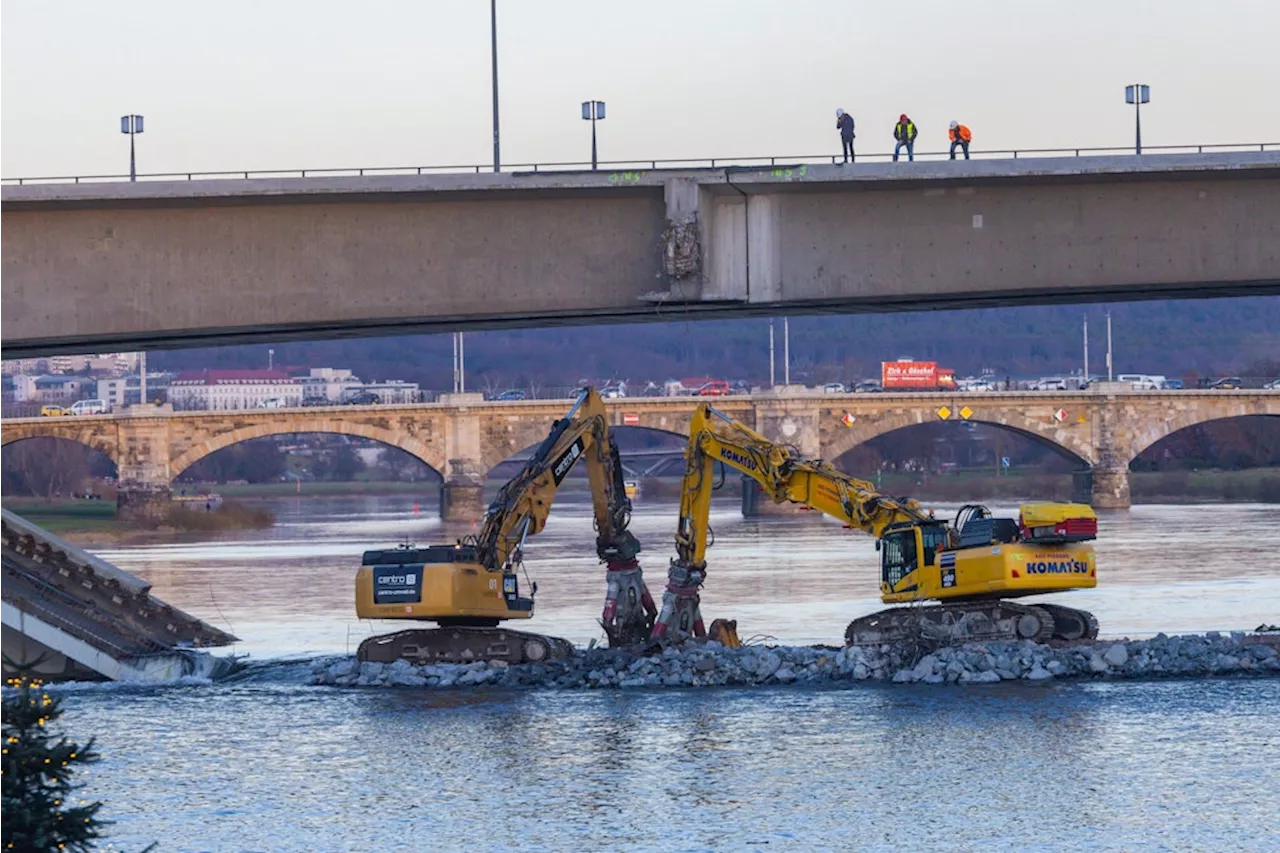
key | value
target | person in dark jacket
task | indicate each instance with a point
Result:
(904, 132)
(844, 123)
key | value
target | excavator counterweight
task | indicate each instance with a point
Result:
(469, 587)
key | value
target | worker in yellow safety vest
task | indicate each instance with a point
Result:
(960, 135)
(904, 135)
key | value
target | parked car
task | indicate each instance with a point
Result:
(833, 388)
(1142, 381)
(364, 398)
(512, 394)
(867, 388)
(89, 407)
(979, 385)
(1227, 383)
(317, 401)
(52, 411)
(614, 393)
(715, 388)
(1171, 385)
(1273, 385)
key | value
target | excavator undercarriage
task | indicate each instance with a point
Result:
(972, 621)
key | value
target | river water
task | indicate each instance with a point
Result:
(268, 762)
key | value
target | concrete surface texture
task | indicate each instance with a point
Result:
(180, 263)
(464, 437)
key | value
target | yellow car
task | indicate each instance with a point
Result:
(52, 411)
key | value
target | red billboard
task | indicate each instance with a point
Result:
(908, 374)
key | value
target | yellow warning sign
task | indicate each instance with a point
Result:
(966, 413)
(944, 413)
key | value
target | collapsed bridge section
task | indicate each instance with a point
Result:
(70, 615)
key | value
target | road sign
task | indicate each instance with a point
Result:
(944, 413)
(631, 418)
(1004, 461)
(848, 419)
(966, 413)
(1060, 415)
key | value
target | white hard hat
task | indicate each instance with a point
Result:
(839, 113)
(954, 125)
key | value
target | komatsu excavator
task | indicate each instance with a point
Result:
(970, 567)
(469, 587)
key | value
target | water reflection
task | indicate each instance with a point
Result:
(1109, 767)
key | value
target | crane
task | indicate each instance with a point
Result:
(970, 567)
(470, 586)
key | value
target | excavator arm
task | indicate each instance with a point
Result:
(523, 504)
(783, 475)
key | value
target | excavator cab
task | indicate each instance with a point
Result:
(904, 549)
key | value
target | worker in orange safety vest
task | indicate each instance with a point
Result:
(960, 135)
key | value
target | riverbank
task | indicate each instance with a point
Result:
(96, 521)
(708, 664)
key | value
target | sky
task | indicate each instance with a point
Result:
(288, 84)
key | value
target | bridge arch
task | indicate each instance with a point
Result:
(430, 456)
(1065, 441)
(492, 458)
(1154, 430)
(92, 436)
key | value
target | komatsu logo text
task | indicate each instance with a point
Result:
(1057, 567)
(740, 459)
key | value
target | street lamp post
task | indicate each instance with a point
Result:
(493, 51)
(1137, 94)
(593, 111)
(131, 125)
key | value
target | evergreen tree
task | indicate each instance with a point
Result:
(37, 776)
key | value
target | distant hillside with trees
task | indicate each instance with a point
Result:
(1177, 338)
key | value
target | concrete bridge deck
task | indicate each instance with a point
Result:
(463, 436)
(90, 266)
(72, 615)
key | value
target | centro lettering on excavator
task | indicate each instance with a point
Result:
(737, 458)
(565, 462)
(1057, 567)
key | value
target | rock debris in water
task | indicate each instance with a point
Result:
(705, 664)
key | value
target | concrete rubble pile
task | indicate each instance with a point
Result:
(703, 664)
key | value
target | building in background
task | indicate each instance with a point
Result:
(122, 391)
(216, 390)
(390, 392)
(328, 384)
(62, 390)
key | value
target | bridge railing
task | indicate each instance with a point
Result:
(617, 166)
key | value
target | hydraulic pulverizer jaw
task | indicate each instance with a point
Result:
(629, 610)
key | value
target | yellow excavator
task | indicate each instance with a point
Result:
(970, 567)
(470, 586)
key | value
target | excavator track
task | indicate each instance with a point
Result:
(972, 621)
(462, 645)
(1072, 624)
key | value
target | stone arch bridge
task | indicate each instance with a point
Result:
(464, 436)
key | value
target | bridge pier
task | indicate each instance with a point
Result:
(1102, 488)
(147, 503)
(143, 492)
(462, 493)
(1110, 488)
(786, 417)
(462, 500)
